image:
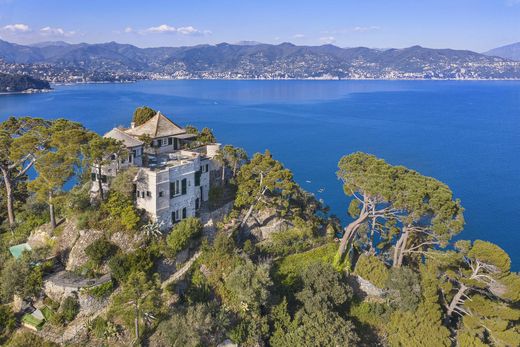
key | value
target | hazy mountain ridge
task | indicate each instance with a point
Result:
(511, 51)
(263, 61)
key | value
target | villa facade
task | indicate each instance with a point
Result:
(173, 176)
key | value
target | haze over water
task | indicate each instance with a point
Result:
(464, 133)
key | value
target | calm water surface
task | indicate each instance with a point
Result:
(466, 134)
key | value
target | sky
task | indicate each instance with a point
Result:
(476, 25)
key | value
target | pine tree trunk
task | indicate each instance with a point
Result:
(457, 299)
(400, 248)
(223, 173)
(51, 212)
(136, 322)
(9, 196)
(100, 184)
(350, 232)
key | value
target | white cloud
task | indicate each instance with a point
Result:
(165, 28)
(55, 32)
(365, 29)
(20, 28)
(298, 36)
(328, 39)
(161, 29)
(128, 30)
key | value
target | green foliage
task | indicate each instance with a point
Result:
(422, 327)
(7, 322)
(20, 277)
(66, 313)
(198, 325)
(291, 267)
(69, 308)
(122, 264)
(143, 114)
(404, 289)
(182, 232)
(248, 287)
(121, 211)
(25, 338)
(491, 254)
(220, 259)
(100, 250)
(372, 269)
(318, 322)
(264, 175)
(206, 136)
(404, 207)
(123, 183)
(297, 239)
(139, 298)
(101, 291)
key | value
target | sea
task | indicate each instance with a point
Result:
(464, 133)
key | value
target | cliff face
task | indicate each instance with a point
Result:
(21, 83)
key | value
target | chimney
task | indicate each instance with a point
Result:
(132, 125)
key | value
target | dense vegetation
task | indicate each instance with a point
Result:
(19, 83)
(278, 271)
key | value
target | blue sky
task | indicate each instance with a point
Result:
(462, 24)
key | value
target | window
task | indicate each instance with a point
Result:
(149, 194)
(161, 194)
(174, 188)
(170, 141)
(93, 177)
(142, 194)
(113, 157)
(184, 213)
(134, 153)
(197, 178)
(137, 193)
(104, 178)
(175, 216)
(207, 167)
(184, 186)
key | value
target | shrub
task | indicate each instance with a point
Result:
(292, 266)
(143, 114)
(372, 269)
(295, 240)
(121, 265)
(121, 210)
(102, 290)
(69, 308)
(100, 251)
(25, 338)
(182, 233)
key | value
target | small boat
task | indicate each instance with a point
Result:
(321, 190)
(308, 181)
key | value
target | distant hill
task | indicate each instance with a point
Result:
(511, 51)
(260, 61)
(21, 83)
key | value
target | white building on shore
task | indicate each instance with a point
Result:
(173, 178)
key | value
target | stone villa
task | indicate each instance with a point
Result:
(173, 178)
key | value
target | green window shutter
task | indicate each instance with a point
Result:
(184, 187)
(197, 178)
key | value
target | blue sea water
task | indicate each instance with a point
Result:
(465, 133)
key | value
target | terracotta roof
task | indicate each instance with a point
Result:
(158, 126)
(122, 136)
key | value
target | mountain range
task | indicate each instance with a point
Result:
(55, 61)
(511, 51)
